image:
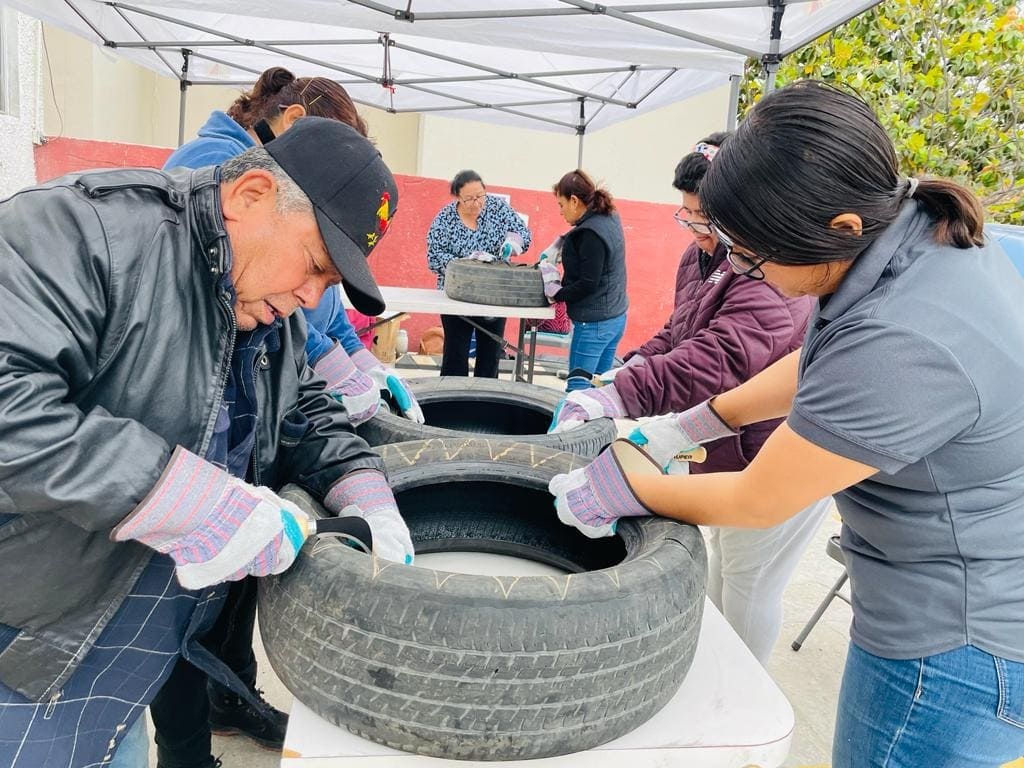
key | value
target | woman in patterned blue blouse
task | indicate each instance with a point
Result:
(473, 222)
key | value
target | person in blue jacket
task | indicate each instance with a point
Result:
(276, 101)
(352, 374)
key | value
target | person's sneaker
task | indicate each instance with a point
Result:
(231, 714)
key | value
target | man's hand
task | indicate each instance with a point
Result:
(593, 499)
(366, 493)
(214, 526)
(585, 404)
(552, 279)
(356, 390)
(388, 380)
(665, 437)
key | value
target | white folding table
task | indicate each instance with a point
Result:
(727, 714)
(431, 301)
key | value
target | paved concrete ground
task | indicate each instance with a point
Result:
(810, 678)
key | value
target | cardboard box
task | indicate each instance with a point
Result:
(385, 335)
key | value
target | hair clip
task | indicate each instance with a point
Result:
(707, 150)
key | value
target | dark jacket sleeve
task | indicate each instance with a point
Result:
(89, 467)
(752, 328)
(316, 442)
(583, 255)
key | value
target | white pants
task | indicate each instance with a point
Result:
(748, 571)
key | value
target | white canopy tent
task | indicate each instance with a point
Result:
(555, 64)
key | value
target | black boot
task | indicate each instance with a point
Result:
(231, 714)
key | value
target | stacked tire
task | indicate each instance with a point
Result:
(460, 407)
(488, 667)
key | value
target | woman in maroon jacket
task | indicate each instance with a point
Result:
(724, 329)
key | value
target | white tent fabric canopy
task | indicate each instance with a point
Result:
(564, 65)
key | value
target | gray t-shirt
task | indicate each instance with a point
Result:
(915, 365)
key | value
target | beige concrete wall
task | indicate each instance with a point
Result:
(19, 125)
(103, 97)
(634, 158)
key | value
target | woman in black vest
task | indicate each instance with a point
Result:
(594, 284)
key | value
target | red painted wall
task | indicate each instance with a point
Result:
(653, 240)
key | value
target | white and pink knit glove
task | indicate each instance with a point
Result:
(366, 493)
(594, 498)
(552, 279)
(583, 405)
(609, 376)
(214, 526)
(512, 246)
(388, 380)
(356, 390)
(676, 433)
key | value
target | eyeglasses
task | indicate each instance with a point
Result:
(696, 227)
(474, 199)
(741, 264)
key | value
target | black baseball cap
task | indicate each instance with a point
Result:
(353, 194)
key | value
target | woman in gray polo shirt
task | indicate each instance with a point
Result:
(904, 404)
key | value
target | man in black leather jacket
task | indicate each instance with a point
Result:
(154, 394)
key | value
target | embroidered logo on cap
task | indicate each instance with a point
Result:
(383, 219)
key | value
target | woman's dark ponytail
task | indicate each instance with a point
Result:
(578, 183)
(959, 217)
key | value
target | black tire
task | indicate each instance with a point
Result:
(501, 283)
(487, 667)
(457, 406)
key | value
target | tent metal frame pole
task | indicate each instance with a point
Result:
(581, 131)
(772, 59)
(732, 118)
(612, 13)
(509, 75)
(182, 100)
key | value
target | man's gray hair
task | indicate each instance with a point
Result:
(290, 197)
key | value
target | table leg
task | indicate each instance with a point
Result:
(517, 371)
(532, 355)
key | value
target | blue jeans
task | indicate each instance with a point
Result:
(962, 708)
(592, 349)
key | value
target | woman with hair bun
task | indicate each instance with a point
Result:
(182, 712)
(593, 287)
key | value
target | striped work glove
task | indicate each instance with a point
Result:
(680, 433)
(355, 389)
(366, 493)
(592, 499)
(585, 404)
(388, 380)
(609, 376)
(552, 279)
(512, 246)
(214, 526)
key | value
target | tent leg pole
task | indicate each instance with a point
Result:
(581, 129)
(183, 88)
(772, 59)
(734, 102)
(770, 71)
